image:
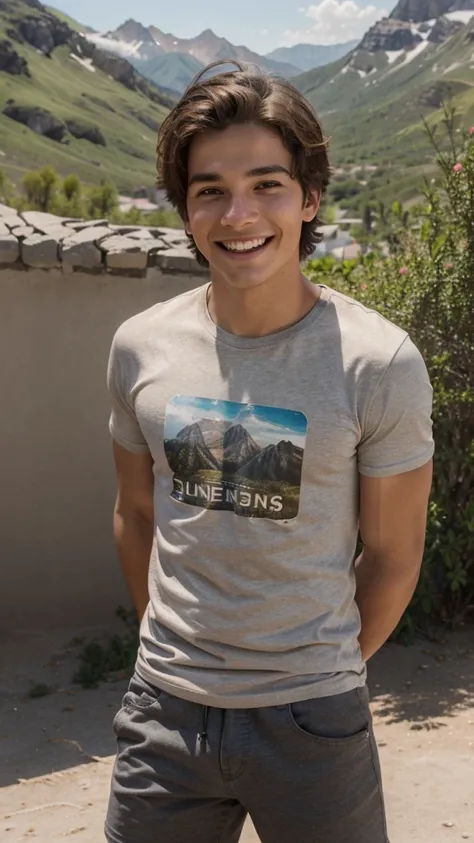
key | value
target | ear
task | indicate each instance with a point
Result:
(311, 205)
(186, 225)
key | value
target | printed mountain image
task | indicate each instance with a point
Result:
(244, 458)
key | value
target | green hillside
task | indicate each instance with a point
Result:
(73, 89)
(171, 70)
(373, 104)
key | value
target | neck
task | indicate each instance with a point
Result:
(266, 309)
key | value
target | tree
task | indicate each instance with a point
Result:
(367, 218)
(5, 188)
(72, 188)
(33, 185)
(103, 200)
(40, 188)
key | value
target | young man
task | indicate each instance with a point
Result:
(259, 422)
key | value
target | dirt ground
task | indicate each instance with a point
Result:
(56, 751)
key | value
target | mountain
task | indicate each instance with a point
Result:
(282, 462)
(307, 56)
(239, 448)
(131, 40)
(218, 444)
(373, 102)
(188, 453)
(186, 459)
(424, 10)
(213, 432)
(208, 47)
(143, 46)
(171, 70)
(65, 102)
(210, 445)
(192, 435)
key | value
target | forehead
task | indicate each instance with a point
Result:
(242, 147)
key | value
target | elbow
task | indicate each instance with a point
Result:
(131, 513)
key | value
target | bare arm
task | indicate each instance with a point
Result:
(393, 512)
(133, 521)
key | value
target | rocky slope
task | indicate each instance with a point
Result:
(88, 111)
(10, 61)
(424, 10)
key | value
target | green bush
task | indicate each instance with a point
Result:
(44, 190)
(40, 188)
(426, 286)
(6, 189)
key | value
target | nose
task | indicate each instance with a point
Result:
(240, 211)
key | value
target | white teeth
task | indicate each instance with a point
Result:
(244, 245)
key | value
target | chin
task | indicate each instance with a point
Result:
(243, 280)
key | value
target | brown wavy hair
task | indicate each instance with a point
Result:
(244, 96)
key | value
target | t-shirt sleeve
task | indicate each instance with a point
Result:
(123, 423)
(397, 433)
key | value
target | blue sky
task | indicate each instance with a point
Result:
(267, 425)
(261, 25)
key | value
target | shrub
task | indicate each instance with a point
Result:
(102, 200)
(40, 188)
(6, 189)
(426, 286)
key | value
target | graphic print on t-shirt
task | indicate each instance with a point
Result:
(245, 458)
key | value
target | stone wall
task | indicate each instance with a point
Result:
(57, 560)
(42, 241)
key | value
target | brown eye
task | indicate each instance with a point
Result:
(267, 185)
(209, 191)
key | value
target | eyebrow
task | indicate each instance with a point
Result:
(267, 170)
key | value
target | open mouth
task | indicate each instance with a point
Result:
(240, 248)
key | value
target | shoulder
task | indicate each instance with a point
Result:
(137, 331)
(375, 350)
(366, 330)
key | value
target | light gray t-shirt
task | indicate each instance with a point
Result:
(257, 444)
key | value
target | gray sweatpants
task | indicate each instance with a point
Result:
(306, 772)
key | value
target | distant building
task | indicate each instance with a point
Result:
(145, 201)
(126, 203)
(347, 253)
(336, 243)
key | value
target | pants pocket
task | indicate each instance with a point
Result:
(340, 720)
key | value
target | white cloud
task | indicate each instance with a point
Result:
(334, 21)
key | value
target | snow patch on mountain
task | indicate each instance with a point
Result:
(461, 16)
(423, 31)
(86, 63)
(410, 56)
(122, 48)
(452, 67)
(394, 55)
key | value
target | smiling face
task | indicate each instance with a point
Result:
(244, 209)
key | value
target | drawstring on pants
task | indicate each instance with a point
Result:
(203, 736)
